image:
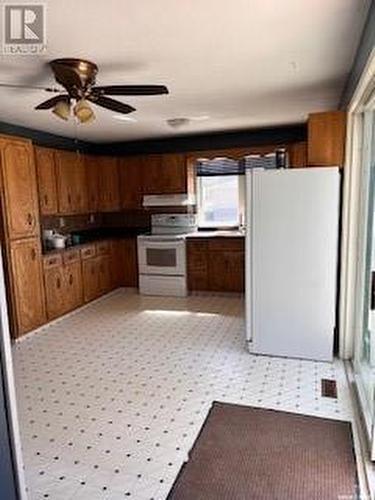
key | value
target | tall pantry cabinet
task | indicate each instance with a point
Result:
(20, 235)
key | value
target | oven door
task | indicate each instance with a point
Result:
(163, 257)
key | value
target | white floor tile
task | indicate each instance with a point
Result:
(113, 397)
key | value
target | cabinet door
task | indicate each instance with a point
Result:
(326, 138)
(109, 194)
(173, 174)
(235, 271)
(104, 273)
(197, 265)
(298, 155)
(93, 182)
(46, 178)
(131, 182)
(152, 172)
(73, 285)
(20, 199)
(90, 279)
(27, 284)
(130, 263)
(55, 295)
(71, 183)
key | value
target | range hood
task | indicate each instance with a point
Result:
(168, 200)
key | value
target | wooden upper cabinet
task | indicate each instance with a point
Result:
(152, 181)
(71, 182)
(174, 173)
(131, 182)
(109, 193)
(326, 138)
(93, 183)
(298, 155)
(46, 177)
(27, 284)
(166, 174)
(20, 198)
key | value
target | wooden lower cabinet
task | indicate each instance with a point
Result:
(197, 264)
(28, 305)
(104, 275)
(73, 286)
(63, 284)
(130, 262)
(90, 277)
(216, 264)
(53, 283)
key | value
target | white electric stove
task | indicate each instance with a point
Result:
(162, 255)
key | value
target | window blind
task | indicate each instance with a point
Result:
(219, 167)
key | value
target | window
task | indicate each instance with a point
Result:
(220, 201)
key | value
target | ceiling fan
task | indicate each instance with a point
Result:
(78, 77)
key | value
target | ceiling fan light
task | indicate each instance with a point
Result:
(83, 111)
(62, 110)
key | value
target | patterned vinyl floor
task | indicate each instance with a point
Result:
(112, 397)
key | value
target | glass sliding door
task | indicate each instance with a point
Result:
(364, 360)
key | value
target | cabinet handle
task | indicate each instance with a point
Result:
(33, 254)
(45, 199)
(70, 279)
(69, 199)
(30, 219)
(58, 283)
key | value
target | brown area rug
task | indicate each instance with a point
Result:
(245, 453)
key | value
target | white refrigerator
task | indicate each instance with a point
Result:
(291, 261)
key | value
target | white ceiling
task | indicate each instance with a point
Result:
(242, 63)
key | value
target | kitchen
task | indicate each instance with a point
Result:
(86, 197)
(177, 260)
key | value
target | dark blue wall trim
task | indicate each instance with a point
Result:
(8, 485)
(240, 138)
(44, 138)
(365, 47)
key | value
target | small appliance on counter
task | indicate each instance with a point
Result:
(162, 255)
(53, 240)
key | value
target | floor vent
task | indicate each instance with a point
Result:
(329, 388)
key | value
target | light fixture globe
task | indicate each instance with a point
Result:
(83, 111)
(62, 109)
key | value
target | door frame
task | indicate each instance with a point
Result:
(350, 252)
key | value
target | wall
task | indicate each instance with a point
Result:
(240, 138)
(365, 48)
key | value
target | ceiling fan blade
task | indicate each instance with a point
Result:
(50, 103)
(106, 102)
(131, 90)
(31, 87)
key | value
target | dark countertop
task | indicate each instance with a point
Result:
(96, 235)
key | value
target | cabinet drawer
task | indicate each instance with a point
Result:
(71, 256)
(50, 261)
(226, 245)
(102, 248)
(88, 252)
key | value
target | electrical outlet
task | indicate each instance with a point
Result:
(92, 218)
(61, 221)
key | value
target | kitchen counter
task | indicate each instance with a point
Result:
(92, 237)
(229, 233)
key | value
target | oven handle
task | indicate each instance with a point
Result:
(163, 243)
